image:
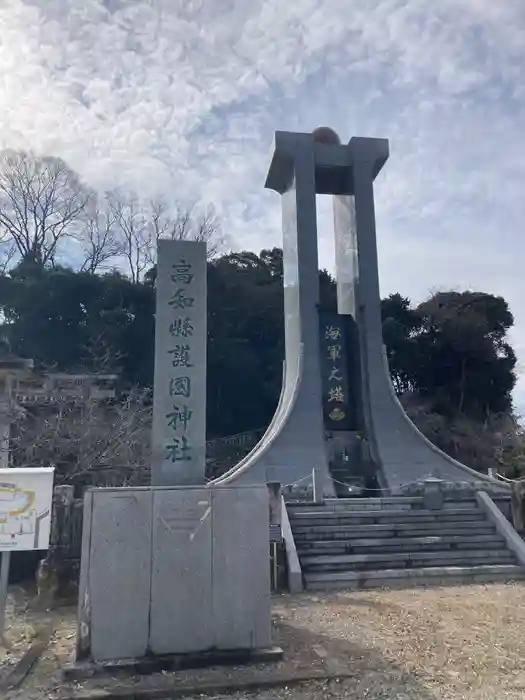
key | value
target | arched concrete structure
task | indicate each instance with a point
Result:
(294, 443)
(400, 451)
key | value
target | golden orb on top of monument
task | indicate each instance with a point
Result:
(324, 134)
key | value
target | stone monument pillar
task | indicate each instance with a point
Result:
(179, 393)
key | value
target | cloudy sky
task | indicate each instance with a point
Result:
(181, 97)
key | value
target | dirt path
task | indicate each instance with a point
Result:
(463, 642)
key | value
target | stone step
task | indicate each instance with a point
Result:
(337, 504)
(406, 578)
(384, 518)
(399, 544)
(350, 505)
(393, 542)
(398, 515)
(393, 530)
(366, 504)
(391, 560)
(334, 526)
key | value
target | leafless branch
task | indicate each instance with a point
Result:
(41, 202)
(99, 240)
(140, 225)
(8, 254)
(83, 436)
(498, 443)
(185, 223)
(133, 237)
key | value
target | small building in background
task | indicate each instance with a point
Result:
(55, 387)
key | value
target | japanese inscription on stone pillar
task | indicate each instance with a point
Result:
(179, 398)
(338, 411)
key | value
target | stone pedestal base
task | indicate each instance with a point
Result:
(174, 572)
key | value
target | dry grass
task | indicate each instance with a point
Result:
(461, 642)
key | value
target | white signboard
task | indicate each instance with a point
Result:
(179, 393)
(25, 508)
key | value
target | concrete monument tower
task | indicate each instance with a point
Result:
(302, 166)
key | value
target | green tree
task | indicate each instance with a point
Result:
(74, 321)
(245, 340)
(466, 364)
(450, 354)
(401, 328)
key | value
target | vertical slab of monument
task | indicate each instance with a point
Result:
(179, 396)
(241, 579)
(174, 571)
(181, 555)
(294, 445)
(116, 587)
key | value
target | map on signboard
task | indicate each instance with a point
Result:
(25, 508)
(16, 514)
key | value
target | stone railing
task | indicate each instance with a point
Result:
(454, 489)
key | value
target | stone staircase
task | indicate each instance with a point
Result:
(396, 542)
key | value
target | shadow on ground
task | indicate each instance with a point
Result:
(357, 671)
(365, 670)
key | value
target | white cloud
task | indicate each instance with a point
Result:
(181, 97)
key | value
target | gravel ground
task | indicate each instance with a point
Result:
(15, 647)
(461, 642)
(20, 631)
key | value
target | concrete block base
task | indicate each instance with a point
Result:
(82, 670)
(174, 572)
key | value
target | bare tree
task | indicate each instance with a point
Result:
(134, 236)
(498, 443)
(88, 441)
(185, 223)
(140, 225)
(41, 202)
(99, 241)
